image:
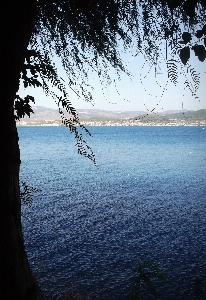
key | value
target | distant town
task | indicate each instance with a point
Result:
(92, 117)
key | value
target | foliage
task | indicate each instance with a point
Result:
(199, 49)
(27, 193)
(39, 71)
(90, 37)
(22, 106)
(145, 274)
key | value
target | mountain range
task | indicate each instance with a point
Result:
(42, 113)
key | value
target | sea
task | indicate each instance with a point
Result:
(107, 231)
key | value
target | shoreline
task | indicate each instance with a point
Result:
(116, 125)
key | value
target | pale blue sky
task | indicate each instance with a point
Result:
(141, 93)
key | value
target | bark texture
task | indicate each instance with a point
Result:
(16, 279)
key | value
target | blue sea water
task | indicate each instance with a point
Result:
(89, 226)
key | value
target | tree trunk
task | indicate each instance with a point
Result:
(16, 279)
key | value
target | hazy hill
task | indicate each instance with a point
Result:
(97, 117)
(190, 116)
(42, 113)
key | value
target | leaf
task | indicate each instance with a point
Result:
(23, 107)
(195, 78)
(186, 36)
(199, 34)
(185, 55)
(200, 52)
(29, 98)
(172, 70)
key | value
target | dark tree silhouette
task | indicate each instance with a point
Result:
(82, 33)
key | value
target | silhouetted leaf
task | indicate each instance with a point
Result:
(199, 34)
(27, 192)
(172, 70)
(200, 52)
(23, 107)
(185, 55)
(186, 36)
(195, 78)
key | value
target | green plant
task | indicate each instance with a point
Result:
(145, 274)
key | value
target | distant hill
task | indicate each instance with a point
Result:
(42, 113)
(95, 117)
(189, 116)
(195, 115)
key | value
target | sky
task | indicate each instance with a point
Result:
(142, 92)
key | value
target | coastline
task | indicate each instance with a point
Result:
(88, 124)
(128, 122)
(45, 117)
